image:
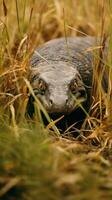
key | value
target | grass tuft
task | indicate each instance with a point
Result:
(37, 162)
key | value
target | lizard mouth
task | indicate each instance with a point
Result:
(76, 116)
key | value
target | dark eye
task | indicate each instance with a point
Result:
(41, 87)
(78, 89)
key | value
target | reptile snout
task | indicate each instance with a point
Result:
(52, 103)
(58, 104)
(66, 102)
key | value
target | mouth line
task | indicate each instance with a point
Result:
(57, 115)
(67, 112)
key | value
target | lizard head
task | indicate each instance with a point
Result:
(59, 88)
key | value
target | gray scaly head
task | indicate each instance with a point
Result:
(59, 88)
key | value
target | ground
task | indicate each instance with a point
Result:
(38, 162)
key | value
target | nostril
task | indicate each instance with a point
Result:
(51, 102)
(66, 101)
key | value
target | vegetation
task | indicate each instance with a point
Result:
(37, 162)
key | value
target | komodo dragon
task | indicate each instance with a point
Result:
(61, 76)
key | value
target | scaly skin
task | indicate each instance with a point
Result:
(61, 73)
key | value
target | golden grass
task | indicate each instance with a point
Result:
(65, 163)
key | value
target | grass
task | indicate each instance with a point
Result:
(35, 161)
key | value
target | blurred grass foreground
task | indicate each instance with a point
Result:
(35, 161)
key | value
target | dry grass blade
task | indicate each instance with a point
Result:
(54, 122)
(24, 9)
(54, 166)
(11, 183)
(5, 8)
(36, 52)
(13, 99)
(17, 12)
(41, 106)
(14, 125)
(74, 29)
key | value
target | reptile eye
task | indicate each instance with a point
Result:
(78, 90)
(40, 87)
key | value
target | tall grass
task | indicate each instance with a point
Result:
(35, 161)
